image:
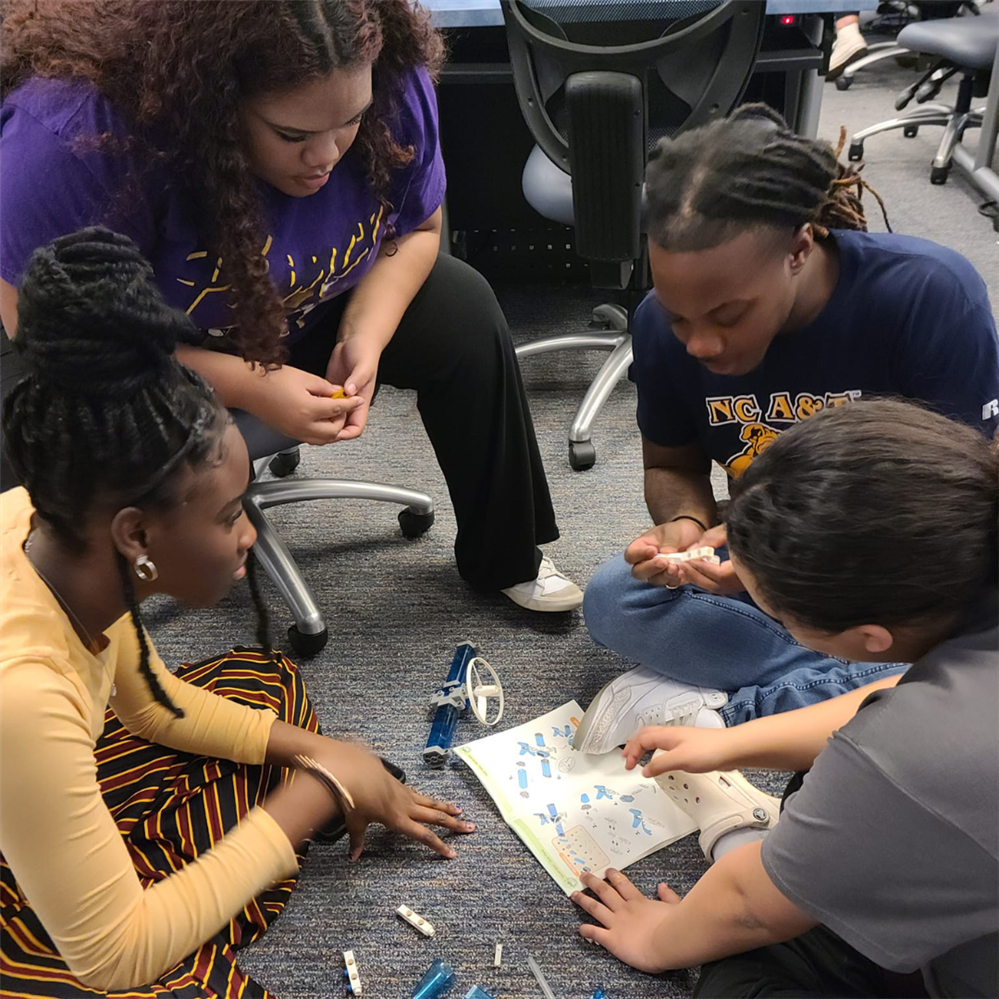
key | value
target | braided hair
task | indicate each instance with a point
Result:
(106, 412)
(748, 171)
(259, 605)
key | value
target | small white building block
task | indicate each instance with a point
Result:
(705, 554)
(498, 957)
(415, 919)
(353, 975)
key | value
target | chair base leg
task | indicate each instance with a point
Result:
(952, 135)
(877, 52)
(273, 555)
(610, 323)
(581, 451)
(955, 124)
(309, 633)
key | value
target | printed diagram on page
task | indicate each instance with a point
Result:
(575, 812)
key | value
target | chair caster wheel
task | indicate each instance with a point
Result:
(414, 524)
(307, 645)
(285, 463)
(843, 82)
(582, 455)
(910, 131)
(856, 152)
(938, 175)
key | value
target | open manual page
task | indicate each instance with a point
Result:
(575, 812)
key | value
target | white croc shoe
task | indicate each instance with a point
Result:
(720, 802)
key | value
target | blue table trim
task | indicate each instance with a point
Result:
(487, 13)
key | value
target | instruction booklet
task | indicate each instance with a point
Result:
(574, 811)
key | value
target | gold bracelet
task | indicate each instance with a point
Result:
(310, 766)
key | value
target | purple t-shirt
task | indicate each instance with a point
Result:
(57, 179)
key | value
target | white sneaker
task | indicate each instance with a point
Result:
(644, 697)
(848, 47)
(551, 591)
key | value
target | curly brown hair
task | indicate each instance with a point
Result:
(181, 68)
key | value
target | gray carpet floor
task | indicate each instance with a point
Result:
(397, 609)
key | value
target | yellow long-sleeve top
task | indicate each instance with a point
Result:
(55, 829)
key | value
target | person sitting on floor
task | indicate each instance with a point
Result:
(146, 828)
(770, 304)
(871, 533)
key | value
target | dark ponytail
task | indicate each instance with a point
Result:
(838, 520)
(744, 172)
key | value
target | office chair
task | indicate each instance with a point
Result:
(897, 14)
(597, 94)
(270, 448)
(965, 45)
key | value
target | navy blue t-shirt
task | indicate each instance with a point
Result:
(907, 318)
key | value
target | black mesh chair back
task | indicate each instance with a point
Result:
(693, 57)
(601, 81)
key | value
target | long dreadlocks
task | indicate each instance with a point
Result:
(748, 171)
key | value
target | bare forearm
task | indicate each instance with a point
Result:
(381, 298)
(230, 376)
(792, 740)
(733, 908)
(671, 492)
(301, 805)
(8, 308)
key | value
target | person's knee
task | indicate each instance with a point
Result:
(470, 338)
(468, 297)
(603, 608)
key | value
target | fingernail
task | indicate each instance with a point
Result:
(574, 895)
(457, 810)
(470, 826)
(451, 854)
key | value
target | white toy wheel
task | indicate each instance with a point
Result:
(481, 694)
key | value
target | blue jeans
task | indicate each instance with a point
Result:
(726, 643)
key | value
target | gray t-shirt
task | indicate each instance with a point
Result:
(893, 840)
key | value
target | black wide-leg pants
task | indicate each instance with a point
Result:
(453, 347)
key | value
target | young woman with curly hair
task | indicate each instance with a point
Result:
(278, 163)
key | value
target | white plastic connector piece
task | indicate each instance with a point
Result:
(353, 975)
(415, 919)
(705, 554)
(498, 957)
